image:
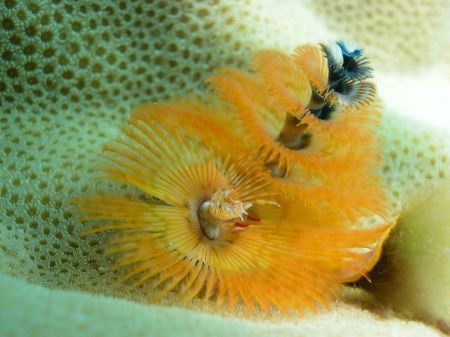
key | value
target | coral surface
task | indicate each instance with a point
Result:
(71, 73)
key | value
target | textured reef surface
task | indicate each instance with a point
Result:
(72, 72)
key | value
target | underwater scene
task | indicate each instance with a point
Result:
(224, 168)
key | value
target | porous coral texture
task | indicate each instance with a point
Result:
(71, 73)
(398, 35)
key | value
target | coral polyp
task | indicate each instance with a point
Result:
(253, 199)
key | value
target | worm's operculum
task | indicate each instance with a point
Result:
(221, 209)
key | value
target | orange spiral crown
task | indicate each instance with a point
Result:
(255, 198)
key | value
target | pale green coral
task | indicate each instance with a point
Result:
(76, 314)
(397, 35)
(72, 71)
(419, 253)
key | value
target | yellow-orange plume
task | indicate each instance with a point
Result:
(256, 199)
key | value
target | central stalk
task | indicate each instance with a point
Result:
(293, 135)
(220, 210)
(210, 225)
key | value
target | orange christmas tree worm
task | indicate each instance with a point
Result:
(262, 209)
(314, 129)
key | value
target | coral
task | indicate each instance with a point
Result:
(71, 72)
(397, 35)
(72, 312)
(92, 56)
(412, 276)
